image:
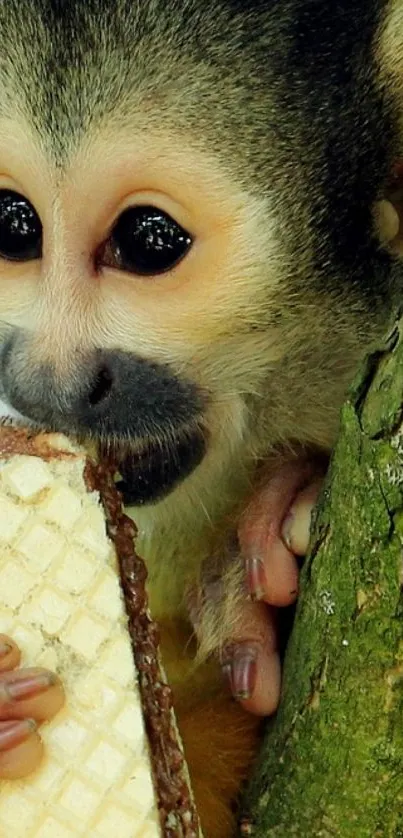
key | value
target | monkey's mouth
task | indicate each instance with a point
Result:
(152, 473)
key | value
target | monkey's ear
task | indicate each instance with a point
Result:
(388, 213)
(388, 222)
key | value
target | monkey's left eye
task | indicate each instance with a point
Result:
(20, 228)
(146, 241)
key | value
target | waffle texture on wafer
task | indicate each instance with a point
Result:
(113, 763)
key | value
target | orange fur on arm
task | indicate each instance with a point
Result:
(220, 739)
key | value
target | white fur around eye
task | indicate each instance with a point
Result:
(6, 411)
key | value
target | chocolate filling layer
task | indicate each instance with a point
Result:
(176, 806)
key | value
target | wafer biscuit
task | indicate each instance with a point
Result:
(113, 762)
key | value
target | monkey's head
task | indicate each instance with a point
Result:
(189, 266)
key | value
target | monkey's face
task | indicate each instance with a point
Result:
(167, 285)
(124, 282)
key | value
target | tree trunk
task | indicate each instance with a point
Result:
(332, 761)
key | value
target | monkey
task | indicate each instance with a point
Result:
(199, 242)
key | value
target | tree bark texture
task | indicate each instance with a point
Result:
(332, 761)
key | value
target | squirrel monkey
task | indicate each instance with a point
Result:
(195, 198)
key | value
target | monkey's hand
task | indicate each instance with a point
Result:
(27, 698)
(238, 610)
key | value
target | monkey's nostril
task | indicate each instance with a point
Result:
(101, 387)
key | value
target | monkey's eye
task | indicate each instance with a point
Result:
(20, 228)
(146, 241)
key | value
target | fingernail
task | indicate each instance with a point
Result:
(5, 649)
(13, 733)
(244, 672)
(29, 686)
(286, 529)
(226, 668)
(255, 579)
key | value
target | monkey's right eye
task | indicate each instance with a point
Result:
(146, 241)
(20, 228)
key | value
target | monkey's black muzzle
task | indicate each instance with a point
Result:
(150, 418)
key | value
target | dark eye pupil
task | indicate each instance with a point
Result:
(148, 241)
(20, 228)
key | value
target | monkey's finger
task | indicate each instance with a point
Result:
(251, 663)
(271, 568)
(30, 693)
(10, 654)
(273, 579)
(21, 749)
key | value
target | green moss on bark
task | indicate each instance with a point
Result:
(332, 762)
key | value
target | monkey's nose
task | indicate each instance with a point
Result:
(108, 393)
(123, 396)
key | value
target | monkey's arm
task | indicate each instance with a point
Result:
(220, 736)
(238, 636)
